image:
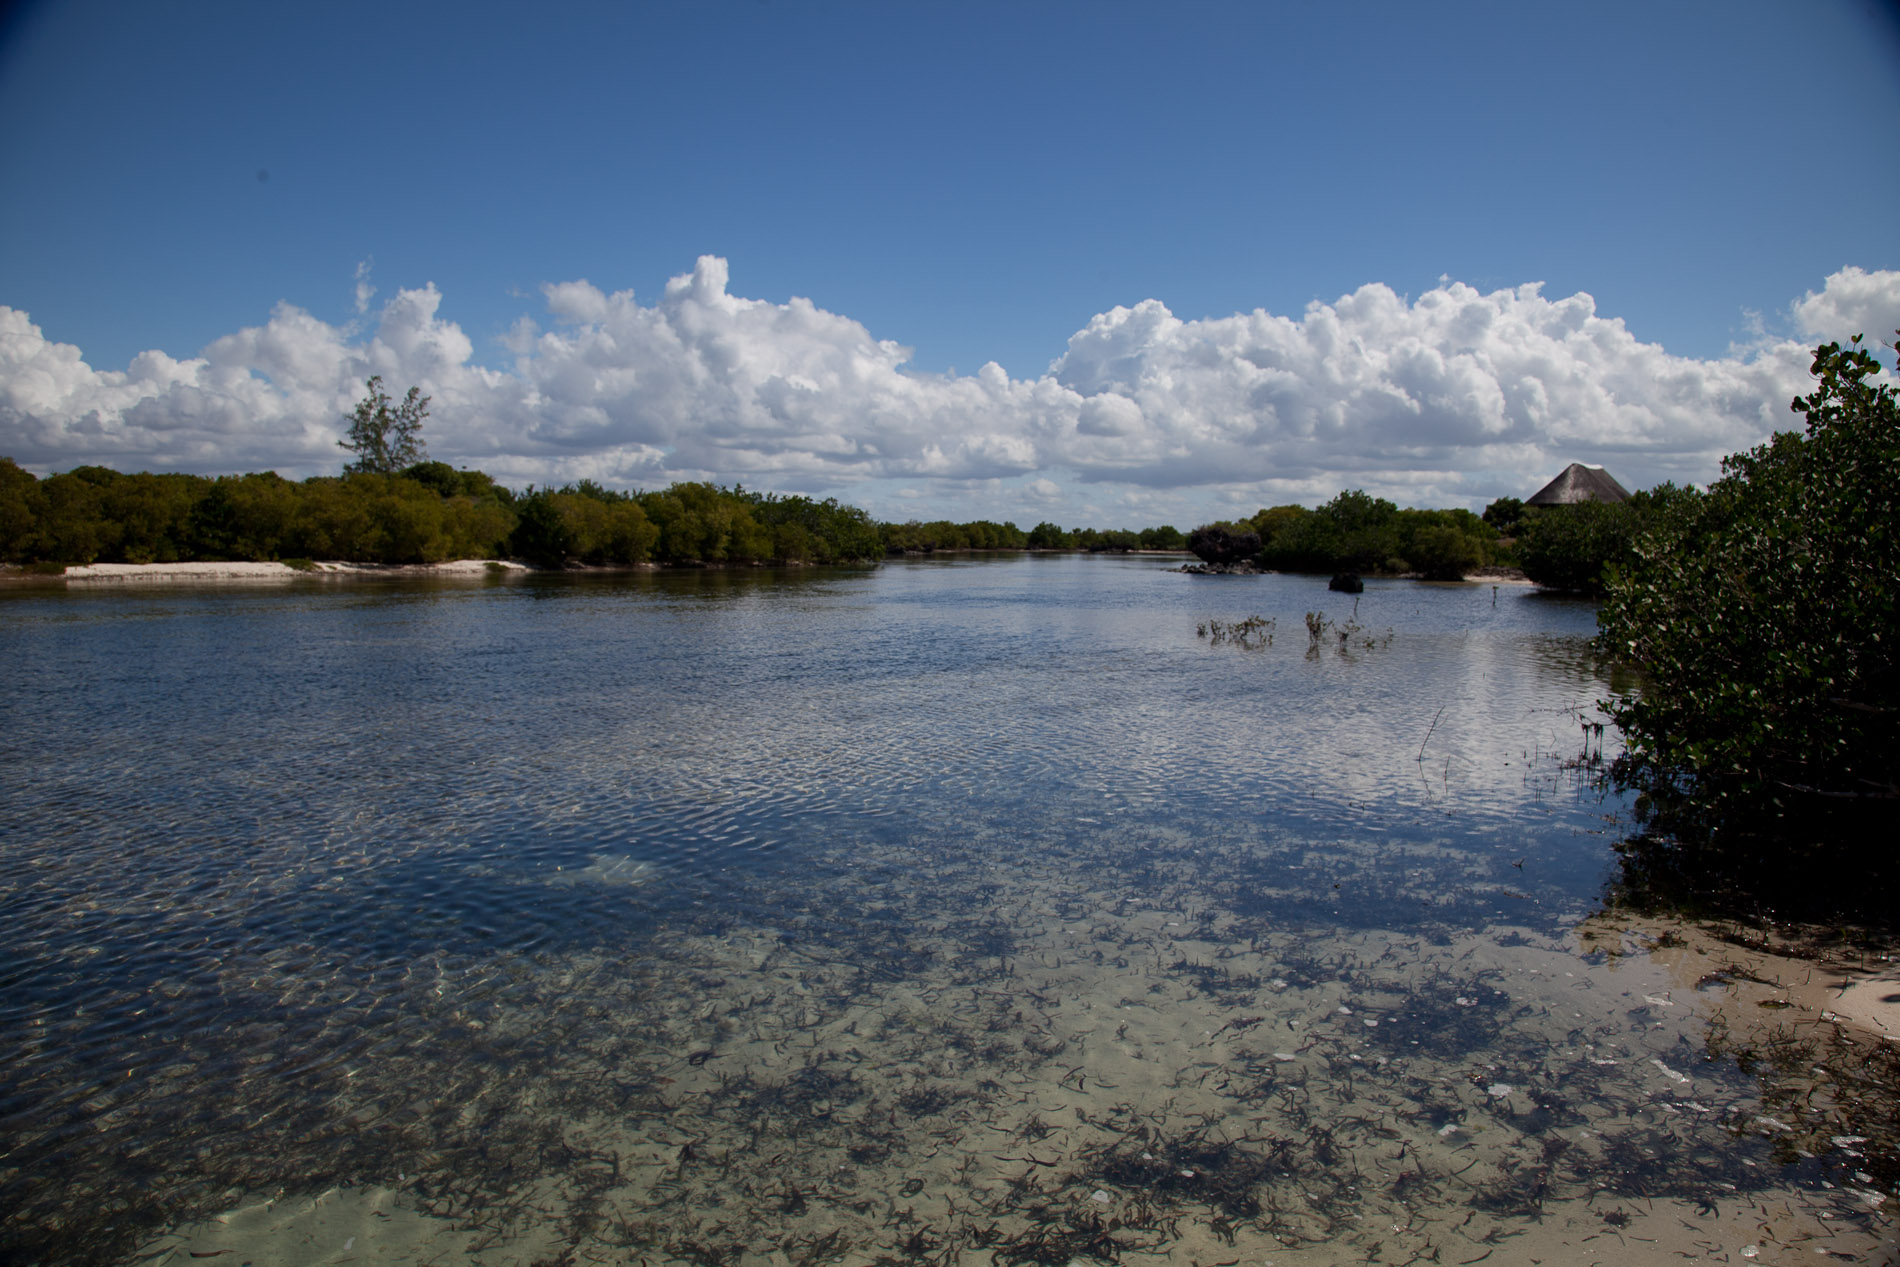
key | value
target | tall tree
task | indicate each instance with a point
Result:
(386, 440)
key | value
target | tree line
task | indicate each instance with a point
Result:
(429, 511)
(982, 534)
(1358, 533)
(425, 513)
(1575, 548)
(1354, 532)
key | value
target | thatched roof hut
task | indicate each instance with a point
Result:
(1579, 483)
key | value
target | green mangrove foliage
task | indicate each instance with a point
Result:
(1762, 614)
(1563, 547)
(1355, 532)
(1104, 540)
(1580, 547)
(1165, 537)
(93, 514)
(688, 524)
(982, 534)
(426, 513)
(1224, 544)
(430, 511)
(582, 522)
(1504, 515)
(941, 534)
(702, 523)
(1050, 536)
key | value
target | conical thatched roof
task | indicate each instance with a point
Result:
(1579, 483)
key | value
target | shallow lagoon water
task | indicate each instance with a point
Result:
(971, 910)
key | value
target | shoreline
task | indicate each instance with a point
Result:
(248, 571)
(1477, 576)
(257, 571)
(145, 573)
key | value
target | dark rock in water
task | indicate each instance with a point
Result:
(1346, 583)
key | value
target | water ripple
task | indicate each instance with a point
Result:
(253, 844)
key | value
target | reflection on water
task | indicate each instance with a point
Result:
(945, 911)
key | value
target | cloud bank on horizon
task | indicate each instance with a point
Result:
(1451, 398)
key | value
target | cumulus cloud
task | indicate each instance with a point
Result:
(1421, 395)
(1448, 398)
(1853, 302)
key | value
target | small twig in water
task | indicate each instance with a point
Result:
(1428, 731)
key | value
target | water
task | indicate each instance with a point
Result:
(947, 911)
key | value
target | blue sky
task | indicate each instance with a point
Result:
(975, 182)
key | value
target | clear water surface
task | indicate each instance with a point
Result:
(952, 910)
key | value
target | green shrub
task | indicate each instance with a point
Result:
(1165, 537)
(21, 506)
(1224, 544)
(1762, 614)
(1574, 547)
(1504, 515)
(1444, 552)
(1048, 536)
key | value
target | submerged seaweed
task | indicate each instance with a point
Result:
(711, 1094)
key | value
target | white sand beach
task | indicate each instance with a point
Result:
(160, 572)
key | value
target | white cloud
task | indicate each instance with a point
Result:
(1853, 302)
(1421, 396)
(1451, 398)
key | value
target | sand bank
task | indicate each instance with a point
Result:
(147, 572)
(1856, 990)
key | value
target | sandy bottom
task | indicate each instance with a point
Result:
(376, 1225)
(1144, 1083)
